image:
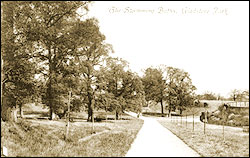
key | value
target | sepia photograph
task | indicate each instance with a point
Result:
(124, 78)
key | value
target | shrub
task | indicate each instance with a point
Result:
(100, 117)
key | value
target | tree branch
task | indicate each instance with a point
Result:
(67, 12)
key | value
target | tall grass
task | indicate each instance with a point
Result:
(46, 138)
(211, 144)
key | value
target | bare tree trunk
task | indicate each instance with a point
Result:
(11, 114)
(90, 114)
(21, 110)
(162, 112)
(181, 110)
(116, 115)
(51, 110)
(90, 110)
(8, 112)
(14, 114)
(52, 115)
(5, 110)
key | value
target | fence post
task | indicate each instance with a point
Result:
(67, 124)
(223, 123)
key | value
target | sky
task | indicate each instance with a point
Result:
(209, 40)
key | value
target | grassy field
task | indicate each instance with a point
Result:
(211, 144)
(46, 138)
(155, 109)
(41, 137)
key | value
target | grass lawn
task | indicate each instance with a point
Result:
(36, 137)
(211, 144)
(155, 108)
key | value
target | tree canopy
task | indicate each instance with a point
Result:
(49, 51)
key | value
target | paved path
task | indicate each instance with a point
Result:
(154, 140)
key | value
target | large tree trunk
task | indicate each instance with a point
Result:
(5, 110)
(50, 89)
(181, 110)
(51, 110)
(52, 114)
(116, 115)
(14, 114)
(234, 97)
(21, 110)
(8, 113)
(162, 112)
(90, 108)
(169, 110)
(11, 114)
(90, 114)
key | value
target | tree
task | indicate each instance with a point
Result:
(180, 90)
(154, 86)
(239, 95)
(208, 96)
(7, 43)
(235, 94)
(91, 51)
(46, 28)
(17, 72)
(245, 95)
(133, 92)
(123, 88)
(111, 77)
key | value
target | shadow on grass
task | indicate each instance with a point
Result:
(40, 113)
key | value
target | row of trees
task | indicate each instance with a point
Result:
(239, 95)
(170, 85)
(234, 95)
(48, 51)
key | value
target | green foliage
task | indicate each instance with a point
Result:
(119, 89)
(208, 96)
(48, 39)
(154, 84)
(62, 46)
(17, 71)
(239, 95)
(168, 84)
(180, 91)
(91, 50)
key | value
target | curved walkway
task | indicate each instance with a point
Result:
(154, 140)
